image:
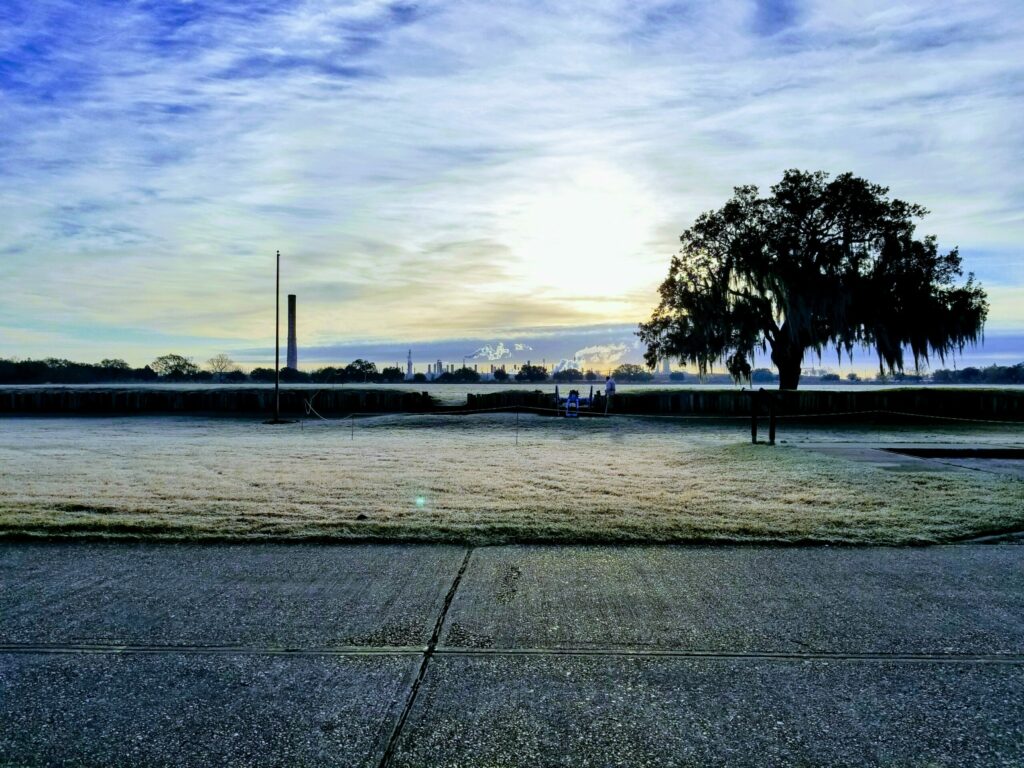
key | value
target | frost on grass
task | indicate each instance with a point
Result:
(437, 478)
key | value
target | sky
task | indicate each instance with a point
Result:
(454, 176)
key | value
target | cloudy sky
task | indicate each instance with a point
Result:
(445, 175)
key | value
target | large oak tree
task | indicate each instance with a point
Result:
(817, 264)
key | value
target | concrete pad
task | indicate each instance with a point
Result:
(887, 456)
(174, 709)
(306, 596)
(880, 458)
(936, 600)
(500, 710)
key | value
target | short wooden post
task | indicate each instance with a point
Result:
(755, 397)
(772, 404)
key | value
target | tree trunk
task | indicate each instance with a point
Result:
(788, 362)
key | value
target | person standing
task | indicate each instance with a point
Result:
(609, 392)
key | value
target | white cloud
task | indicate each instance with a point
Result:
(466, 169)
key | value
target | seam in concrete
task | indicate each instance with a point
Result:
(957, 658)
(241, 650)
(396, 734)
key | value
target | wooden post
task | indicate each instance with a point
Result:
(755, 397)
(772, 404)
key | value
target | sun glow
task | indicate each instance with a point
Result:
(585, 234)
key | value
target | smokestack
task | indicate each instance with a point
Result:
(293, 347)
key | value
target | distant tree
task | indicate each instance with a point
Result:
(360, 370)
(763, 376)
(234, 377)
(419, 378)
(458, 376)
(852, 377)
(907, 378)
(829, 377)
(816, 264)
(115, 364)
(174, 367)
(221, 364)
(262, 375)
(970, 375)
(392, 374)
(591, 375)
(294, 376)
(501, 375)
(677, 376)
(993, 374)
(328, 375)
(567, 374)
(532, 373)
(631, 372)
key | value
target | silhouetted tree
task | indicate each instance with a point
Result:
(501, 375)
(567, 374)
(462, 375)
(327, 375)
(677, 376)
(392, 374)
(294, 376)
(591, 375)
(174, 367)
(816, 264)
(532, 373)
(631, 372)
(262, 375)
(419, 378)
(362, 371)
(221, 364)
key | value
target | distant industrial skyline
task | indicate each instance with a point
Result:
(434, 171)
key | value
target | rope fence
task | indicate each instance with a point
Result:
(755, 416)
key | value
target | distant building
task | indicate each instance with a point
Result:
(408, 366)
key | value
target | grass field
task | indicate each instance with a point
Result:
(438, 478)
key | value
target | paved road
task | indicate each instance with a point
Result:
(164, 655)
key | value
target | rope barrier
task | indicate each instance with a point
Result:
(311, 410)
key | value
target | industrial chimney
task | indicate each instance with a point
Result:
(293, 348)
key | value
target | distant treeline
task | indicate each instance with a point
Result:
(221, 369)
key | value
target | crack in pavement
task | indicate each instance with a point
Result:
(396, 734)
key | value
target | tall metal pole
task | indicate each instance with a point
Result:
(277, 342)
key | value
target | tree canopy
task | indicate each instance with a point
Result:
(631, 372)
(816, 264)
(532, 373)
(174, 366)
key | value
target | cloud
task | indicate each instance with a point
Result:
(438, 170)
(600, 355)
